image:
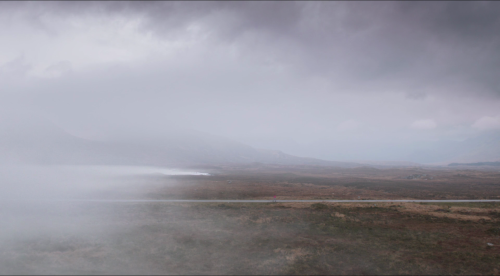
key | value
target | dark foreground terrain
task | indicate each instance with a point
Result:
(263, 238)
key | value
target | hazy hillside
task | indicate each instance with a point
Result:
(46, 144)
(483, 148)
(34, 140)
(493, 164)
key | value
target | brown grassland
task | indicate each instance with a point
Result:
(300, 182)
(271, 238)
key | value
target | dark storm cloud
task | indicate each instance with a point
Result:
(254, 70)
(409, 43)
(423, 44)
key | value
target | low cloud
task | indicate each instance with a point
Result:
(424, 124)
(343, 73)
(487, 123)
(348, 125)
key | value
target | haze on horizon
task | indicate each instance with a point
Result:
(340, 81)
(169, 137)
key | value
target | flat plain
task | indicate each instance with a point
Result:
(266, 238)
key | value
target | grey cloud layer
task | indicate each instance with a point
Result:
(412, 43)
(415, 42)
(270, 74)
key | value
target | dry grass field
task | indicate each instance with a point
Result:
(265, 238)
(263, 182)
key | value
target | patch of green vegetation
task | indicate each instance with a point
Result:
(494, 214)
(494, 231)
(319, 206)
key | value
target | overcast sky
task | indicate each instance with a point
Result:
(293, 76)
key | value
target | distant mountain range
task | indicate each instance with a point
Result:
(494, 164)
(483, 148)
(37, 142)
(46, 144)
